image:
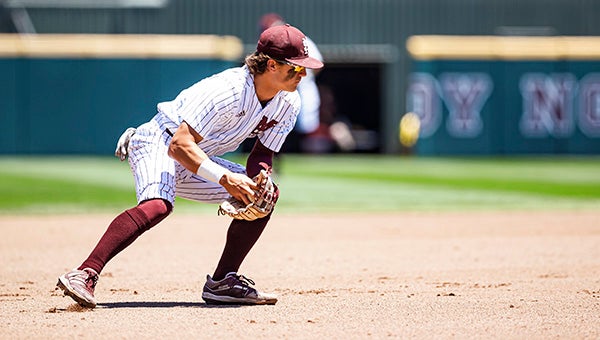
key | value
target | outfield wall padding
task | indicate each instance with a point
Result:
(505, 95)
(75, 94)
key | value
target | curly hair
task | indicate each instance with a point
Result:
(257, 62)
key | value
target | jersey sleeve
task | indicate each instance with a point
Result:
(202, 105)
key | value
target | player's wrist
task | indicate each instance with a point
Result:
(211, 171)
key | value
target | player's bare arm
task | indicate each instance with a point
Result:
(185, 150)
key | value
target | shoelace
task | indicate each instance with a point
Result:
(93, 278)
(85, 277)
(244, 280)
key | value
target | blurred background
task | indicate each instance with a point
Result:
(495, 77)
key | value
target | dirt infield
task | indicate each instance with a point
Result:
(406, 275)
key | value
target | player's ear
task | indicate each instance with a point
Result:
(271, 64)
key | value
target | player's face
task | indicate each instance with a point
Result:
(289, 75)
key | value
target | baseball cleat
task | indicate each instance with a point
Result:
(79, 285)
(235, 289)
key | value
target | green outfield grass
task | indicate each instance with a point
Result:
(357, 183)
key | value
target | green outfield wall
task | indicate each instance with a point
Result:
(75, 94)
(505, 95)
(350, 33)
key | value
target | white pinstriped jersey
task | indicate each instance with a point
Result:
(224, 110)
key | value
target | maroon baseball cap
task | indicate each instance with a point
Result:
(285, 42)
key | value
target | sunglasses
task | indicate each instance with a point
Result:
(296, 68)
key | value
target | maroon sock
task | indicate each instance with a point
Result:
(241, 237)
(124, 229)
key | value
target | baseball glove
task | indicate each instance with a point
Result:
(265, 198)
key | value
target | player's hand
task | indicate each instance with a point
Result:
(240, 186)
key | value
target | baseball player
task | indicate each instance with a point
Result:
(176, 154)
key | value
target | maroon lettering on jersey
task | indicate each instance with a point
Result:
(264, 125)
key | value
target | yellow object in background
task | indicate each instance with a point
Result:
(410, 125)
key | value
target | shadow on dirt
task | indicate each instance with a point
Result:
(162, 304)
